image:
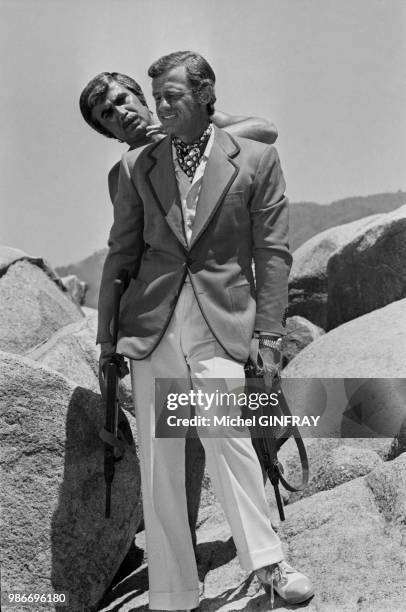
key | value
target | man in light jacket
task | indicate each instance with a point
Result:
(191, 213)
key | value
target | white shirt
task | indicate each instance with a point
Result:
(189, 190)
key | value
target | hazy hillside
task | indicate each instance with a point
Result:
(309, 218)
(306, 220)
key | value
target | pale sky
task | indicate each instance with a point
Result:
(331, 74)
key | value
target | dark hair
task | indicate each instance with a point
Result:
(96, 90)
(198, 70)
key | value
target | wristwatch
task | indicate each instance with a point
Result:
(268, 342)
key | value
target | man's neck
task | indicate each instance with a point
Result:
(194, 136)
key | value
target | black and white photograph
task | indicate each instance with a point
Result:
(203, 305)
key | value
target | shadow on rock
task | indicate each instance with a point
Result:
(211, 555)
(247, 594)
(87, 549)
(130, 587)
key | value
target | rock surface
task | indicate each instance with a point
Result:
(76, 288)
(72, 351)
(299, 333)
(54, 534)
(308, 284)
(369, 271)
(332, 462)
(358, 406)
(32, 304)
(354, 535)
(350, 541)
(373, 345)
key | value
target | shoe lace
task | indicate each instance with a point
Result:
(278, 577)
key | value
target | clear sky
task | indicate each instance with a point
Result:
(331, 74)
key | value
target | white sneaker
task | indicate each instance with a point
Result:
(291, 586)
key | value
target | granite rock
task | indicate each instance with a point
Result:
(54, 534)
(369, 271)
(33, 302)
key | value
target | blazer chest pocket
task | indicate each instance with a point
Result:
(234, 199)
(233, 217)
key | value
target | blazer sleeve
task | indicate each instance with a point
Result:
(126, 246)
(270, 238)
(112, 181)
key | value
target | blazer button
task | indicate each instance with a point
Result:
(189, 262)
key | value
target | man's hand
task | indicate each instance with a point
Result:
(107, 351)
(106, 354)
(155, 129)
(271, 363)
(267, 360)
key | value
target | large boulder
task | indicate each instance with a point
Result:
(373, 345)
(308, 286)
(369, 271)
(54, 534)
(354, 377)
(33, 302)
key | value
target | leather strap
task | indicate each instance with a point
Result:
(269, 447)
(293, 431)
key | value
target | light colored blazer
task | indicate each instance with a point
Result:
(242, 213)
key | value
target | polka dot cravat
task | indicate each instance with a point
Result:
(189, 155)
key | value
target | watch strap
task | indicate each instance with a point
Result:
(270, 342)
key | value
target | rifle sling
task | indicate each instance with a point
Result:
(294, 431)
(268, 450)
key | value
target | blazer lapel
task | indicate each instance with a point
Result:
(162, 182)
(218, 177)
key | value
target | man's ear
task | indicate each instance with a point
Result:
(205, 94)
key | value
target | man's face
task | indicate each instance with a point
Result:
(122, 114)
(177, 107)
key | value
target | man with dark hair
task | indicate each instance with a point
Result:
(198, 70)
(114, 105)
(97, 90)
(192, 212)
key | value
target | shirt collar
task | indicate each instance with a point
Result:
(206, 151)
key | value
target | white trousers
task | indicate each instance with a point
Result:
(189, 350)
